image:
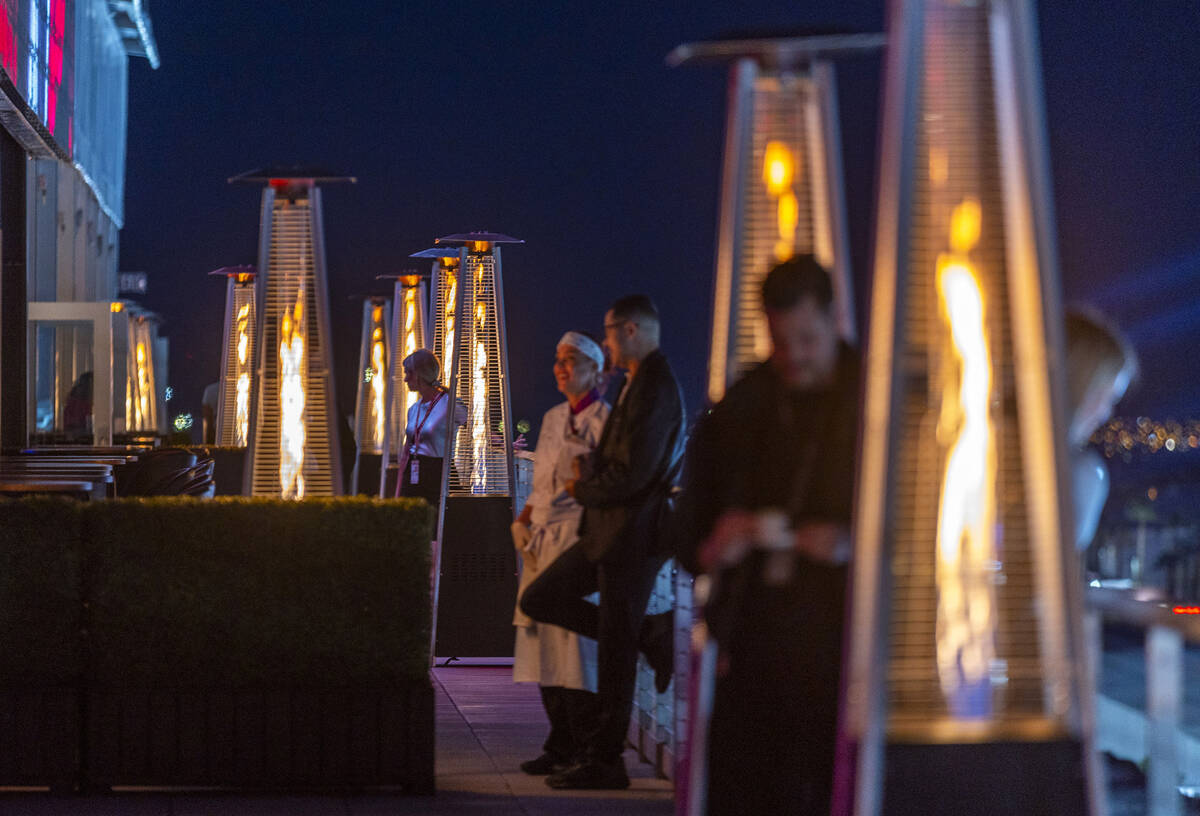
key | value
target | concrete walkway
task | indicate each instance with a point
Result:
(486, 726)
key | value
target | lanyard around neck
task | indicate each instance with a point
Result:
(421, 424)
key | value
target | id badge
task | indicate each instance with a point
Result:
(414, 471)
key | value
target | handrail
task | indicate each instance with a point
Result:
(1166, 630)
(1145, 608)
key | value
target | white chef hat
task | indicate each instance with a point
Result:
(586, 345)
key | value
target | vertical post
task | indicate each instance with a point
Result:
(1164, 696)
(505, 395)
(14, 299)
(102, 373)
(448, 452)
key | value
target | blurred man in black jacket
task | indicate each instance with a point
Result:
(773, 464)
(623, 490)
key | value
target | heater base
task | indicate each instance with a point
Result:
(994, 778)
(478, 589)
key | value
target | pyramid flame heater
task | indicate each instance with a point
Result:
(293, 439)
(237, 357)
(371, 402)
(409, 332)
(141, 401)
(967, 692)
(781, 191)
(475, 564)
(474, 333)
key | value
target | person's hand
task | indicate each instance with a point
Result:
(826, 543)
(581, 466)
(521, 534)
(731, 537)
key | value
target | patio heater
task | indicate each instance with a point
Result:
(967, 691)
(409, 332)
(293, 439)
(477, 568)
(142, 410)
(237, 357)
(371, 402)
(781, 189)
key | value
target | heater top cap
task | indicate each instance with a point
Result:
(234, 271)
(407, 273)
(293, 173)
(444, 251)
(782, 52)
(465, 238)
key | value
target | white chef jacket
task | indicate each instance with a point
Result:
(545, 654)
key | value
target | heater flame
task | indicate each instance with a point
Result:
(291, 401)
(451, 300)
(410, 336)
(967, 514)
(779, 173)
(142, 403)
(241, 405)
(479, 404)
(378, 381)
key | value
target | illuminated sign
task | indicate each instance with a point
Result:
(37, 52)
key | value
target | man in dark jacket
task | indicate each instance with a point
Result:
(773, 464)
(623, 490)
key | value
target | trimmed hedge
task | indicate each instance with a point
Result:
(40, 602)
(257, 592)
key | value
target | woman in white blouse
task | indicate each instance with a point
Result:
(425, 433)
(561, 662)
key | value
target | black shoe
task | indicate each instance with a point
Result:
(545, 764)
(592, 775)
(659, 648)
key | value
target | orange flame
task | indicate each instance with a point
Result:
(967, 513)
(241, 405)
(479, 404)
(292, 432)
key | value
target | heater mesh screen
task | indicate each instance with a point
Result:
(370, 406)
(956, 161)
(408, 335)
(480, 460)
(291, 280)
(237, 363)
(779, 140)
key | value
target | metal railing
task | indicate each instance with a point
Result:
(1166, 631)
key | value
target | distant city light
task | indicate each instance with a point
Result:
(183, 422)
(1125, 437)
(168, 394)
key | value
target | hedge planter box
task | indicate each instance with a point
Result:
(39, 738)
(258, 643)
(309, 738)
(41, 642)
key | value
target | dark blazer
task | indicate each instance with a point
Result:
(623, 495)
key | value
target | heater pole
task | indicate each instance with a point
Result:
(505, 397)
(448, 451)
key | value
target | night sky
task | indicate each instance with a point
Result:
(560, 124)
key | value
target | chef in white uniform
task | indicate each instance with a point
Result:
(561, 662)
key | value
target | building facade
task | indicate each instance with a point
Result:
(68, 370)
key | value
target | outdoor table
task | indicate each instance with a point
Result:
(25, 486)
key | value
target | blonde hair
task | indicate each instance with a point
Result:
(1097, 354)
(424, 363)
